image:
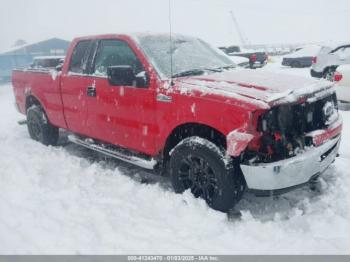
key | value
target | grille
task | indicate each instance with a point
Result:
(284, 127)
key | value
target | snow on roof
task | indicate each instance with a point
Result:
(49, 57)
(239, 59)
(17, 48)
(306, 51)
(334, 44)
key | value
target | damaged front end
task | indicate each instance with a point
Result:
(298, 141)
(287, 129)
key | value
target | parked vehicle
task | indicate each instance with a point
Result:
(47, 62)
(328, 59)
(257, 59)
(214, 129)
(240, 61)
(342, 77)
(230, 49)
(302, 57)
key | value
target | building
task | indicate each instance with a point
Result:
(22, 56)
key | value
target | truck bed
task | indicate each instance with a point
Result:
(46, 86)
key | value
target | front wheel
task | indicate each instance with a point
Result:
(39, 127)
(198, 165)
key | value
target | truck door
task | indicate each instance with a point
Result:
(74, 88)
(121, 115)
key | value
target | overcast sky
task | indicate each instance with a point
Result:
(261, 21)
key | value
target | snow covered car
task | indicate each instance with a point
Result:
(328, 59)
(214, 129)
(257, 59)
(302, 57)
(342, 77)
(240, 61)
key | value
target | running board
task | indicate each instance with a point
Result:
(132, 159)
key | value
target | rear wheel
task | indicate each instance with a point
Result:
(198, 165)
(39, 127)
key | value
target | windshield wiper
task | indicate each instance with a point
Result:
(201, 71)
(221, 68)
(191, 72)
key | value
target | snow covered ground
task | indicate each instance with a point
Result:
(66, 199)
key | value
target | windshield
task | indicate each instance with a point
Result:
(189, 54)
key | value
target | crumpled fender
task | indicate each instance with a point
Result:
(237, 141)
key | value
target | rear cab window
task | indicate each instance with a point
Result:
(80, 57)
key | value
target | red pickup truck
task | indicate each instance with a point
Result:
(184, 110)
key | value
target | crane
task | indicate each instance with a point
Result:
(243, 39)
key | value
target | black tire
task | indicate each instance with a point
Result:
(199, 165)
(39, 127)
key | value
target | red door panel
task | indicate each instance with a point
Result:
(73, 89)
(122, 115)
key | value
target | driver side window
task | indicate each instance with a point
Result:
(115, 53)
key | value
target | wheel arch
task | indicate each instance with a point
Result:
(185, 130)
(32, 100)
(229, 184)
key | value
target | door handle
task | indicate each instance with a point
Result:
(91, 91)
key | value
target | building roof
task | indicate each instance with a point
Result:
(37, 48)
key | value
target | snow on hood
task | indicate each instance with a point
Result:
(239, 59)
(258, 87)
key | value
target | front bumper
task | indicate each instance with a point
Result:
(292, 172)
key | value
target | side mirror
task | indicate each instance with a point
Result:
(142, 79)
(120, 75)
(123, 75)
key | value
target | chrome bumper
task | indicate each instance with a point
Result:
(291, 172)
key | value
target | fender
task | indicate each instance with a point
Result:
(27, 93)
(237, 141)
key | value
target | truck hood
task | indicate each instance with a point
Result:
(259, 87)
